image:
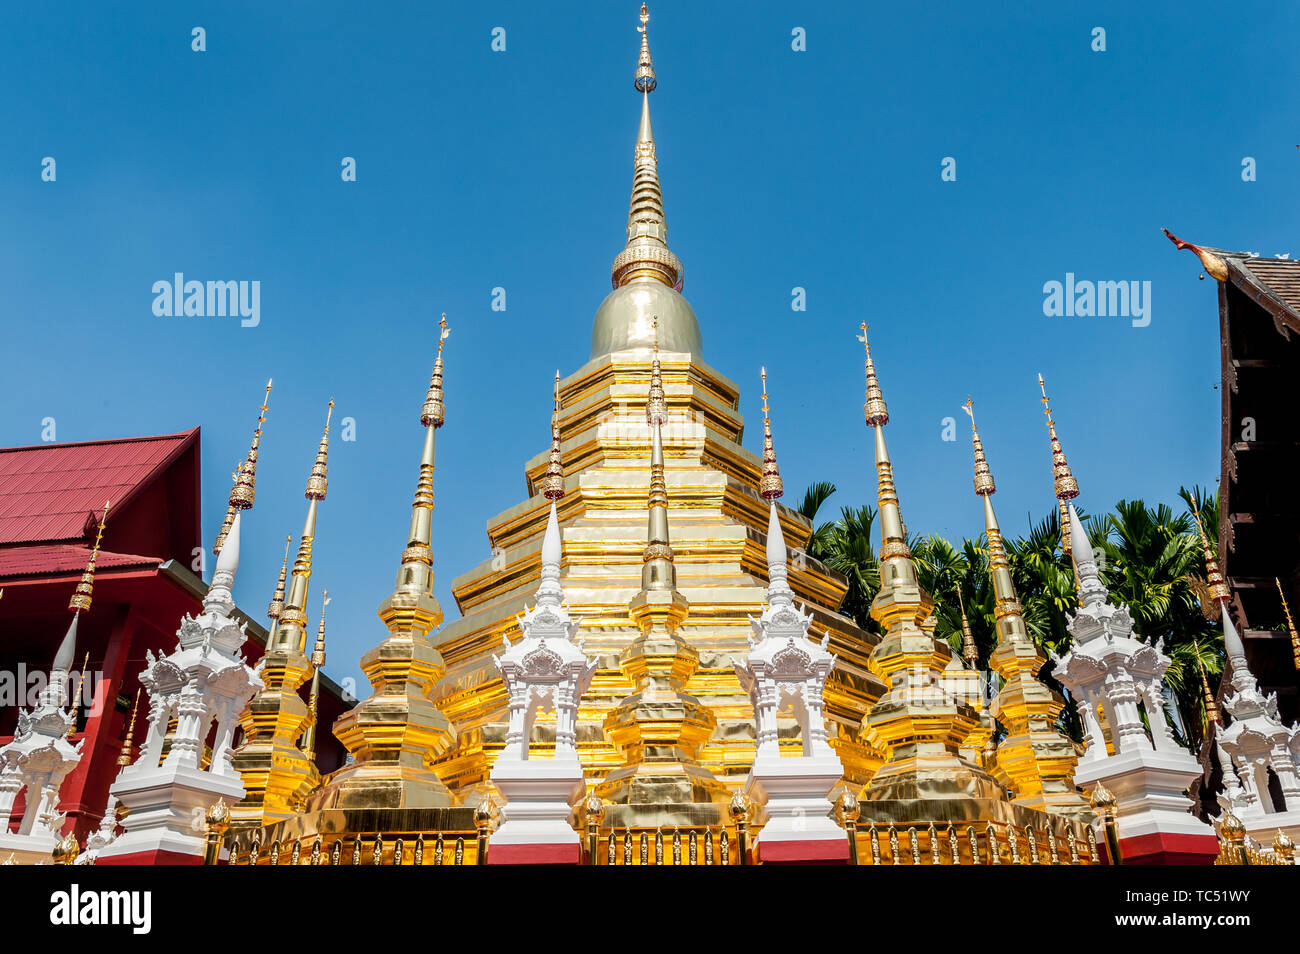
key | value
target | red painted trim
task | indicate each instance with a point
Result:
(534, 854)
(828, 852)
(151, 858)
(1160, 848)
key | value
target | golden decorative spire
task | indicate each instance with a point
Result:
(1063, 482)
(1290, 624)
(658, 571)
(646, 254)
(553, 483)
(244, 491)
(1211, 710)
(1037, 759)
(434, 412)
(80, 601)
(970, 652)
(874, 409)
(290, 629)
(124, 757)
(1219, 591)
(770, 486)
(276, 606)
(317, 661)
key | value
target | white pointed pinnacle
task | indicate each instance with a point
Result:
(1091, 587)
(778, 586)
(220, 598)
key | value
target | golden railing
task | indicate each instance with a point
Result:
(440, 848)
(672, 847)
(973, 844)
(1237, 848)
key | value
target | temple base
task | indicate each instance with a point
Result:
(537, 827)
(1152, 812)
(166, 807)
(794, 809)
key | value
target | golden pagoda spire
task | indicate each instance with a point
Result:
(396, 733)
(970, 652)
(124, 757)
(1211, 709)
(657, 570)
(1290, 624)
(770, 486)
(276, 606)
(646, 254)
(1035, 757)
(313, 698)
(1063, 482)
(277, 775)
(1219, 591)
(552, 483)
(80, 601)
(244, 490)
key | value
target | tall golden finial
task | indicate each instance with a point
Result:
(81, 684)
(124, 757)
(770, 486)
(1063, 482)
(553, 482)
(970, 652)
(657, 570)
(1290, 624)
(80, 601)
(874, 408)
(646, 253)
(276, 606)
(244, 490)
(434, 412)
(1211, 710)
(1219, 591)
(984, 485)
(318, 483)
(289, 631)
(317, 661)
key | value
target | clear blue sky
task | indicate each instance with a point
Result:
(478, 169)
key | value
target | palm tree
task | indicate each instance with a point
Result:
(813, 498)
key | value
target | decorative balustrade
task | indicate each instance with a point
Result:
(891, 843)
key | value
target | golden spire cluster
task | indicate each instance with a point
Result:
(434, 412)
(1063, 482)
(124, 757)
(770, 486)
(1290, 624)
(1211, 709)
(244, 490)
(553, 482)
(969, 651)
(80, 601)
(646, 254)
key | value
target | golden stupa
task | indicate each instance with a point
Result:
(664, 534)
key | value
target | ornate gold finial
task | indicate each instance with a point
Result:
(875, 410)
(124, 757)
(434, 411)
(218, 815)
(770, 486)
(984, 485)
(318, 653)
(244, 490)
(656, 407)
(1219, 591)
(1214, 266)
(553, 483)
(276, 606)
(1231, 825)
(1063, 482)
(645, 81)
(317, 483)
(1211, 709)
(646, 253)
(1290, 624)
(80, 601)
(66, 851)
(1102, 798)
(969, 651)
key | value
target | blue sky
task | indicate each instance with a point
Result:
(478, 169)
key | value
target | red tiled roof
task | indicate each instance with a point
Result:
(59, 558)
(48, 491)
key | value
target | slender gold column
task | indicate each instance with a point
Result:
(917, 722)
(660, 728)
(276, 773)
(398, 731)
(1037, 759)
(1063, 482)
